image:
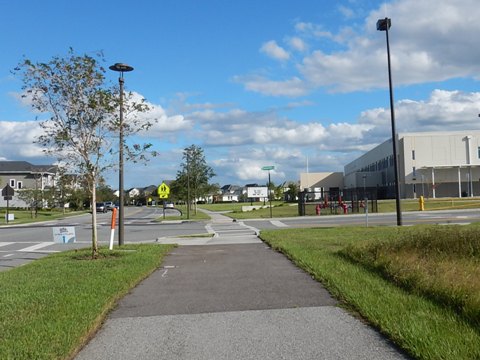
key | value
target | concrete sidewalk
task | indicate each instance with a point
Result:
(233, 301)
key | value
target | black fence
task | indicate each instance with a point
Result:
(335, 202)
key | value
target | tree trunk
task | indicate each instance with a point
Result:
(94, 221)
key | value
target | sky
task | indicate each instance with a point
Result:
(296, 84)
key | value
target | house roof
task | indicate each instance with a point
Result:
(25, 167)
(230, 188)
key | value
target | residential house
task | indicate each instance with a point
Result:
(24, 175)
(231, 193)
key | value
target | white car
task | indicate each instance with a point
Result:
(110, 205)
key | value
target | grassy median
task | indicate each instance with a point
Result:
(391, 277)
(27, 216)
(49, 308)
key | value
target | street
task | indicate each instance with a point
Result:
(20, 244)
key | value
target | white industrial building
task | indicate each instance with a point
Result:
(433, 164)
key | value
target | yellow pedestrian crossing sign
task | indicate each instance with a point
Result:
(163, 191)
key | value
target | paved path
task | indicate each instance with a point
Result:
(237, 300)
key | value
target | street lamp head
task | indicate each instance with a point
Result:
(121, 67)
(384, 24)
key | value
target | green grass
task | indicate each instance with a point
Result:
(279, 209)
(25, 216)
(424, 327)
(221, 207)
(430, 204)
(50, 307)
(441, 263)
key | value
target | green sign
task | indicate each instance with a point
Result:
(268, 167)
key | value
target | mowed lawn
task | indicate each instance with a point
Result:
(50, 307)
(420, 286)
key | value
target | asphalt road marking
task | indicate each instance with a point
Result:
(34, 248)
(278, 223)
(6, 243)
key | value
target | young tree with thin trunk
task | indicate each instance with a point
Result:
(194, 175)
(83, 116)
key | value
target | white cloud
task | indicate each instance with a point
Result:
(162, 124)
(429, 41)
(17, 140)
(285, 143)
(292, 87)
(297, 44)
(346, 12)
(452, 110)
(309, 29)
(273, 50)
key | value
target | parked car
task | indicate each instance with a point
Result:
(169, 205)
(110, 205)
(101, 207)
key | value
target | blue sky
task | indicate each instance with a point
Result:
(257, 83)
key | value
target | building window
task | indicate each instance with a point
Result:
(413, 154)
(414, 171)
(479, 152)
(19, 185)
(12, 183)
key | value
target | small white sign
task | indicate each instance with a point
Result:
(10, 217)
(64, 234)
(257, 192)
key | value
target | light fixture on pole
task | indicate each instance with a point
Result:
(121, 68)
(384, 25)
(269, 184)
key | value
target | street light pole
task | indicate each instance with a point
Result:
(365, 200)
(120, 68)
(384, 25)
(269, 185)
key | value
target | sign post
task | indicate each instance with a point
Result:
(7, 193)
(269, 184)
(163, 192)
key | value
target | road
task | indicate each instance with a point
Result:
(384, 219)
(22, 244)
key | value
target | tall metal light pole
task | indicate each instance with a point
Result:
(120, 68)
(365, 199)
(384, 25)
